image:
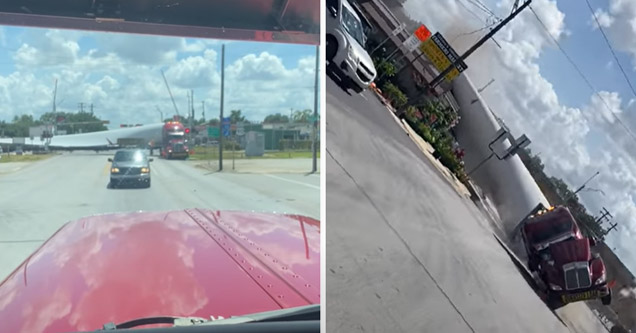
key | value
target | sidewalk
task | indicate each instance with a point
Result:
(428, 150)
(261, 166)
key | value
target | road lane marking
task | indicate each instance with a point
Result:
(106, 168)
(294, 182)
(365, 97)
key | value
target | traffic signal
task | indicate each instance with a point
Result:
(187, 130)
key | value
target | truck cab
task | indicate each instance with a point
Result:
(563, 259)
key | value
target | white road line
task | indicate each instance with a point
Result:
(293, 181)
(365, 97)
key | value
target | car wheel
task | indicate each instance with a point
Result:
(332, 48)
(356, 88)
(607, 299)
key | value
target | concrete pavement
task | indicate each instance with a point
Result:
(406, 253)
(37, 199)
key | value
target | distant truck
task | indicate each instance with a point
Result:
(561, 255)
(173, 145)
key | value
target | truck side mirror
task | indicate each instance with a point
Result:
(110, 159)
(592, 242)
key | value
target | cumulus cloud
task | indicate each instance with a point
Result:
(121, 75)
(574, 142)
(618, 21)
(605, 20)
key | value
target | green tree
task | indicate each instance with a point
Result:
(236, 116)
(276, 119)
(303, 116)
(72, 123)
(213, 122)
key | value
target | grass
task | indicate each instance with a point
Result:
(23, 158)
(211, 153)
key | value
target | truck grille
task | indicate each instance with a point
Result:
(178, 148)
(129, 171)
(577, 276)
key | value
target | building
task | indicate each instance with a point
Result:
(414, 69)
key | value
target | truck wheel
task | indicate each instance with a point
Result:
(607, 299)
(554, 301)
(356, 88)
(533, 266)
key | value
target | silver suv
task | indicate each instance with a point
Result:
(345, 45)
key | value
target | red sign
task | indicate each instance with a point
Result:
(422, 33)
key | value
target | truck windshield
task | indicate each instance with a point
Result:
(352, 25)
(548, 229)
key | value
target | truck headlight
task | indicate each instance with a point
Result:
(145, 170)
(601, 279)
(114, 170)
(555, 286)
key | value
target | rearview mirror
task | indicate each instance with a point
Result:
(110, 159)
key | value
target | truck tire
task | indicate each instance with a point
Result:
(332, 48)
(554, 302)
(533, 266)
(607, 299)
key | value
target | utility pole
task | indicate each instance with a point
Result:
(603, 217)
(581, 187)
(160, 114)
(314, 146)
(437, 80)
(91, 108)
(81, 106)
(221, 109)
(203, 110)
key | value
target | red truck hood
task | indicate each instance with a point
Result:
(570, 251)
(118, 267)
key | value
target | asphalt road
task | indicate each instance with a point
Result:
(405, 252)
(36, 199)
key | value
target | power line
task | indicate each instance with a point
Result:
(581, 74)
(481, 6)
(474, 31)
(610, 47)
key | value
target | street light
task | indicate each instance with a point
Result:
(160, 113)
(582, 187)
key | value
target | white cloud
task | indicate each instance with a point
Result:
(619, 21)
(121, 76)
(605, 20)
(574, 142)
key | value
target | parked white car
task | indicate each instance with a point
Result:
(345, 45)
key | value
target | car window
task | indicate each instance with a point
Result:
(130, 156)
(352, 25)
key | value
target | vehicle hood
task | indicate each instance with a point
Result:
(570, 251)
(118, 267)
(360, 52)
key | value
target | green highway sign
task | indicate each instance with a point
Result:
(213, 132)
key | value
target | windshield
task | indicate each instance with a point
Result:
(353, 26)
(101, 103)
(546, 230)
(130, 156)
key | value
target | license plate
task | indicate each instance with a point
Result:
(580, 296)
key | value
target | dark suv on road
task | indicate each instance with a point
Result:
(130, 166)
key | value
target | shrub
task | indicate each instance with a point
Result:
(397, 97)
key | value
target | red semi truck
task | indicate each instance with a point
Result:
(173, 145)
(561, 255)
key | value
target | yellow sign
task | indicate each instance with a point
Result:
(438, 58)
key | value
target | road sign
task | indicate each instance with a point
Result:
(399, 29)
(225, 124)
(422, 33)
(240, 129)
(442, 55)
(412, 43)
(213, 132)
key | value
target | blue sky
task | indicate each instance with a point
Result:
(261, 78)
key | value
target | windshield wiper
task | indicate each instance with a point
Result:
(296, 314)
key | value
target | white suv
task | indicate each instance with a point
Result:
(345, 45)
